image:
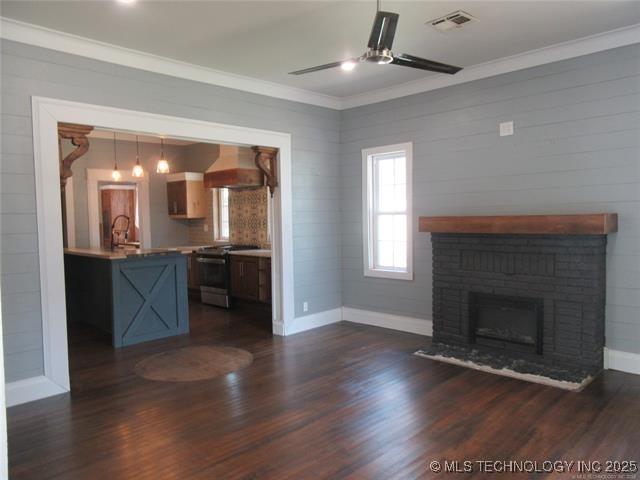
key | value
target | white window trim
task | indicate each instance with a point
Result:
(367, 198)
(217, 237)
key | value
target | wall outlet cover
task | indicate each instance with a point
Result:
(205, 227)
(305, 306)
(506, 129)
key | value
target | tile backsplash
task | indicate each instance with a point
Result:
(248, 218)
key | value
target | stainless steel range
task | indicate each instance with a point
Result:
(215, 274)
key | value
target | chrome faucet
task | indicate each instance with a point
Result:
(116, 232)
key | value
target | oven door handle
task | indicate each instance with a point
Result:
(216, 261)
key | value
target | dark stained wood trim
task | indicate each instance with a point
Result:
(589, 224)
(78, 136)
(266, 162)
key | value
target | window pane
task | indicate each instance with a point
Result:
(385, 254)
(385, 171)
(223, 214)
(384, 231)
(400, 228)
(400, 255)
(400, 170)
(400, 198)
(386, 198)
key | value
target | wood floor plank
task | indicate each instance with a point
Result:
(342, 401)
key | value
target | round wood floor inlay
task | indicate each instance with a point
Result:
(191, 364)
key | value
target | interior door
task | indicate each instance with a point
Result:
(117, 202)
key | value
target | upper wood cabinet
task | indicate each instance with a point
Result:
(186, 195)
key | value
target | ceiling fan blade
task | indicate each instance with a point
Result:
(326, 66)
(383, 31)
(406, 60)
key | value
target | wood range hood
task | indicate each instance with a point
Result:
(581, 224)
(243, 167)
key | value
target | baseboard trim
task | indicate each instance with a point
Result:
(277, 328)
(30, 389)
(315, 320)
(387, 320)
(622, 361)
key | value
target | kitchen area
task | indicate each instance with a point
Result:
(156, 227)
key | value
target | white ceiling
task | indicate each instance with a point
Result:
(267, 39)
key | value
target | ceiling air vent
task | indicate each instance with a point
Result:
(453, 20)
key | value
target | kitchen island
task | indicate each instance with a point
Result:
(133, 295)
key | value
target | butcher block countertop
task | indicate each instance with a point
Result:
(252, 253)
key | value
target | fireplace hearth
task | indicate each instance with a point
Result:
(532, 303)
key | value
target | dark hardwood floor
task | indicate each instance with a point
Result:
(342, 401)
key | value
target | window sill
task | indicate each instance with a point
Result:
(390, 274)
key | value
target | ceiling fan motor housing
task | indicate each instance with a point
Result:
(382, 56)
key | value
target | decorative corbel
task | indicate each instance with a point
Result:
(266, 162)
(78, 136)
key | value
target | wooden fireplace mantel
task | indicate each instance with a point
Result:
(589, 224)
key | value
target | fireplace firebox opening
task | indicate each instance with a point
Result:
(507, 323)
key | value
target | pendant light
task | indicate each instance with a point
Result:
(163, 165)
(115, 174)
(137, 168)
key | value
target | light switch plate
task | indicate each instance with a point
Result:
(506, 129)
(206, 227)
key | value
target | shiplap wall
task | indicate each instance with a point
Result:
(576, 149)
(28, 71)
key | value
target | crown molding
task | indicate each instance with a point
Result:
(85, 47)
(52, 39)
(552, 53)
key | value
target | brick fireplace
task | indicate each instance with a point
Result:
(525, 293)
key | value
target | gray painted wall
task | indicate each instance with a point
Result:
(28, 71)
(165, 231)
(576, 149)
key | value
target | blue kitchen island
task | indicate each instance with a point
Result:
(133, 295)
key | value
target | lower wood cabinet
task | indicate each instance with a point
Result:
(264, 279)
(193, 272)
(251, 278)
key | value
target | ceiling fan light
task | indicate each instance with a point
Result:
(348, 65)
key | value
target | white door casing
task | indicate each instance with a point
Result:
(47, 112)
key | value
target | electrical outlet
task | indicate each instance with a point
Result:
(205, 227)
(305, 306)
(506, 129)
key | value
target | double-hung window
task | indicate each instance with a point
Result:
(387, 226)
(221, 214)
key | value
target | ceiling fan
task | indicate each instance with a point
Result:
(379, 50)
